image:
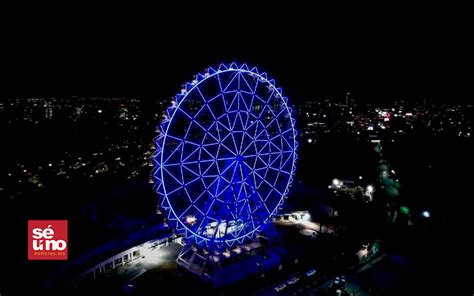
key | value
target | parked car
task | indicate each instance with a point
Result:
(280, 287)
(310, 272)
(292, 280)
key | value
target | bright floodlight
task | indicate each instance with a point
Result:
(426, 214)
(370, 188)
(191, 220)
(306, 217)
(310, 140)
(336, 182)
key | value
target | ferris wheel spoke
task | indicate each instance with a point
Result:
(243, 122)
(207, 150)
(235, 165)
(251, 216)
(231, 165)
(171, 192)
(276, 148)
(280, 171)
(229, 127)
(280, 135)
(271, 153)
(207, 209)
(220, 84)
(192, 154)
(195, 162)
(242, 182)
(251, 144)
(260, 155)
(250, 89)
(209, 168)
(285, 141)
(232, 81)
(183, 141)
(185, 210)
(263, 131)
(234, 102)
(239, 76)
(250, 168)
(241, 211)
(245, 189)
(242, 138)
(274, 118)
(243, 100)
(253, 122)
(197, 199)
(184, 113)
(172, 176)
(234, 144)
(243, 172)
(174, 154)
(262, 202)
(225, 144)
(274, 161)
(272, 186)
(200, 212)
(206, 131)
(206, 105)
(246, 124)
(270, 93)
(290, 157)
(232, 208)
(234, 120)
(223, 190)
(257, 84)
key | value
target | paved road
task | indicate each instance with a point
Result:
(314, 287)
(149, 260)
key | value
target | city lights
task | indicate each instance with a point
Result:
(220, 158)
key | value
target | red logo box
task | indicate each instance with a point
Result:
(47, 240)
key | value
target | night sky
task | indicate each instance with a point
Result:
(377, 56)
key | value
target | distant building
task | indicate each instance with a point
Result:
(48, 110)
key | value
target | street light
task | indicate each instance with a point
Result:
(191, 220)
(370, 188)
(426, 214)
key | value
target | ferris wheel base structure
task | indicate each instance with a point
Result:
(224, 164)
(221, 268)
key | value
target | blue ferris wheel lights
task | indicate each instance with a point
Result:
(226, 154)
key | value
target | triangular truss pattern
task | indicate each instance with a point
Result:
(225, 155)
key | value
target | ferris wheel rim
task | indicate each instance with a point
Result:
(180, 99)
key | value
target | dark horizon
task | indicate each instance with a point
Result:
(378, 61)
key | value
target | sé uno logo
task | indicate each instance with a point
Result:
(48, 243)
(47, 240)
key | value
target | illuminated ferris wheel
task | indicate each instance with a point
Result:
(225, 155)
